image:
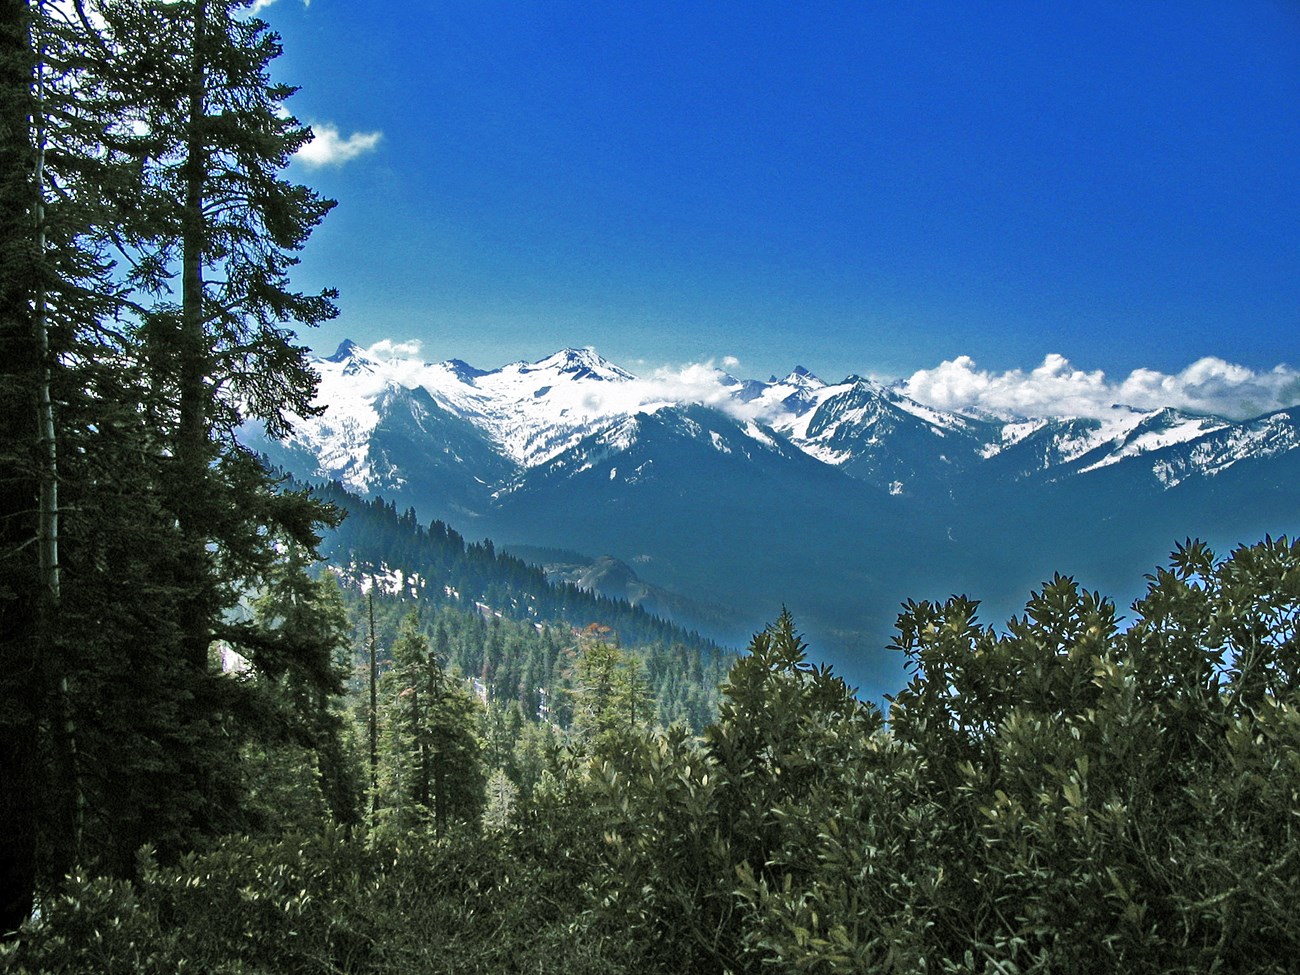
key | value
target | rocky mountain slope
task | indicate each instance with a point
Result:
(836, 499)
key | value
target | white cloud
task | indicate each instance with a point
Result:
(696, 382)
(260, 5)
(730, 362)
(328, 148)
(1058, 388)
(388, 349)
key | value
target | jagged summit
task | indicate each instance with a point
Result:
(577, 363)
(352, 357)
(463, 370)
(804, 376)
(346, 350)
(798, 376)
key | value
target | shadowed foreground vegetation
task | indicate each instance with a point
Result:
(1072, 793)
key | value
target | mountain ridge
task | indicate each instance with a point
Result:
(836, 500)
(534, 412)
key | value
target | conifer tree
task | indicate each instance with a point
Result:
(610, 698)
(206, 126)
(19, 670)
(54, 294)
(300, 650)
(154, 147)
(431, 771)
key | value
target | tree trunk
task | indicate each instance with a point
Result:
(373, 715)
(192, 351)
(20, 672)
(69, 800)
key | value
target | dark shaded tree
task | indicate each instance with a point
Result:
(142, 139)
(21, 685)
(431, 772)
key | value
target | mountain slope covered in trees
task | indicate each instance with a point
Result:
(436, 563)
(499, 622)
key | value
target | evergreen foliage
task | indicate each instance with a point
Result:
(146, 310)
(1065, 794)
(430, 771)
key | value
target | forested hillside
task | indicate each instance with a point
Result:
(434, 561)
(495, 620)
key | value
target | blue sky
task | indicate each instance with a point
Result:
(863, 187)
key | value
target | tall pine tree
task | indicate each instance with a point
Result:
(146, 240)
(19, 662)
(431, 771)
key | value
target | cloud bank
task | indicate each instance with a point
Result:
(1055, 388)
(328, 148)
(386, 349)
(1058, 388)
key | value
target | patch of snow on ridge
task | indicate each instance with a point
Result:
(1184, 429)
(1076, 438)
(825, 454)
(1269, 436)
(1012, 434)
(622, 435)
(783, 418)
(753, 430)
(941, 420)
(1085, 437)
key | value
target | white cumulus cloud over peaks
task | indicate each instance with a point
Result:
(697, 382)
(328, 148)
(388, 349)
(1059, 388)
(1055, 388)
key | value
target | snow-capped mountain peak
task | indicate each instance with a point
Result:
(346, 350)
(352, 358)
(528, 414)
(578, 363)
(780, 402)
(800, 377)
(463, 371)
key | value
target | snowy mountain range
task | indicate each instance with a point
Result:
(534, 415)
(832, 498)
